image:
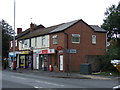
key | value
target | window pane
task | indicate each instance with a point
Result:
(54, 39)
(93, 39)
(75, 38)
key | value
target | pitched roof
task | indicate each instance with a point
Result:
(59, 28)
(97, 28)
(23, 33)
(26, 32)
(64, 26)
(40, 32)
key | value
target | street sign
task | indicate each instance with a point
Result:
(71, 51)
(60, 51)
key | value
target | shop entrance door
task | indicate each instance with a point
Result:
(61, 62)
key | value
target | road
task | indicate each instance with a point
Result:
(22, 80)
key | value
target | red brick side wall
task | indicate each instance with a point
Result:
(85, 47)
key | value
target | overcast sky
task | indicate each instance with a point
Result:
(53, 12)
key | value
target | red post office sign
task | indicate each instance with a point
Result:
(59, 48)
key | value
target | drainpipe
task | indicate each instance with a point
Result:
(68, 64)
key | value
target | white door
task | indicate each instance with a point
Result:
(37, 61)
(61, 62)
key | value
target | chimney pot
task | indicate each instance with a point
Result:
(31, 26)
(19, 30)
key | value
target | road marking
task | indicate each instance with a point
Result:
(49, 83)
(116, 87)
(18, 77)
(37, 87)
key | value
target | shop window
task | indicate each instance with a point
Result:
(22, 61)
(75, 38)
(55, 39)
(93, 39)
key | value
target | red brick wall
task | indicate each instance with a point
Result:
(85, 47)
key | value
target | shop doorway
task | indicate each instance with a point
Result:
(44, 62)
(22, 61)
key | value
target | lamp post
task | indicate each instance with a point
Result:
(14, 60)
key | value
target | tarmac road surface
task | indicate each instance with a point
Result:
(24, 80)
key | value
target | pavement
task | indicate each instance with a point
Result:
(63, 74)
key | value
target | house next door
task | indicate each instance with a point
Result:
(61, 62)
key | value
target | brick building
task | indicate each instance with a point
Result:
(64, 46)
(81, 40)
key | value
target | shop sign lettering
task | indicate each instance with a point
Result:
(48, 51)
(25, 52)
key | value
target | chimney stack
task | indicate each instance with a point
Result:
(31, 26)
(19, 30)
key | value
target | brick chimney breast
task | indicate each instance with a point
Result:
(19, 30)
(31, 27)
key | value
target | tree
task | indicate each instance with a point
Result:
(112, 25)
(112, 22)
(7, 32)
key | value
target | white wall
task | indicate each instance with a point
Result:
(39, 42)
(33, 42)
(36, 42)
(24, 44)
(46, 41)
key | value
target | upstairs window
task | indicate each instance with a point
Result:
(75, 38)
(23, 43)
(43, 41)
(16, 43)
(55, 39)
(11, 43)
(93, 39)
(35, 42)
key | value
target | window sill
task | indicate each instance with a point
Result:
(55, 43)
(76, 42)
(93, 43)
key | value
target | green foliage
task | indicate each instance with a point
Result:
(112, 53)
(6, 36)
(112, 25)
(112, 21)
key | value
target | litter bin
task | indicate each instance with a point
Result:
(85, 69)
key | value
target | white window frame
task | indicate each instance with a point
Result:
(76, 35)
(36, 42)
(16, 43)
(23, 43)
(11, 44)
(43, 41)
(55, 39)
(94, 39)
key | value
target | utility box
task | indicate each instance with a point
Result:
(85, 69)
